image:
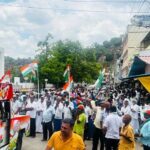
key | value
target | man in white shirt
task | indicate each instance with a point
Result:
(112, 126)
(41, 105)
(31, 109)
(135, 115)
(68, 110)
(52, 98)
(58, 106)
(15, 105)
(88, 112)
(98, 132)
(47, 117)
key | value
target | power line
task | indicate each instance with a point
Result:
(142, 2)
(138, 31)
(134, 37)
(101, 1)
(132, 8)
(72, 10)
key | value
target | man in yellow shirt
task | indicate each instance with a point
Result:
(127, 141)
(65, 139)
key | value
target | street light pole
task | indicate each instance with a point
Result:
(26, 79)
(46, 83)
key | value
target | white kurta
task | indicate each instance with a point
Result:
(32, 113)
(40, 107)
(14, 106)
(134, 115)
(126, 110)
(88, 112)
(59, 111)
(67, 112)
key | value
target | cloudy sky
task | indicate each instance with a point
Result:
(23, 23)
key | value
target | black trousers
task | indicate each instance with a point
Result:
(112, 144)
(86, 131)
(47, 129)
(146, 147)
(32, 127)
(98, 135)
(19, 140)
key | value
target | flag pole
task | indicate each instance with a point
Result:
(38, 83)
(69, 83)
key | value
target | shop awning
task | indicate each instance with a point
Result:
(135, 76)
(138, 67)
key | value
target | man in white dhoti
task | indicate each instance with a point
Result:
(135, 114)
(41, 105)
(31, 109)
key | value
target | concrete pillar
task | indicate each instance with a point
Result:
(2, 62)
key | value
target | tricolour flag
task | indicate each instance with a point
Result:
(67, 87)
(100, 79)
(6, 77)
(66, 73)
(25, 70)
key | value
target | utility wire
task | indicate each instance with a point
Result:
(135, 37)
(139, 9)
(101, 1)
(72, 10)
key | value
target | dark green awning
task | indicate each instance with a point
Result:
(137, 68)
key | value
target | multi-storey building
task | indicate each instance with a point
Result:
(136, 39)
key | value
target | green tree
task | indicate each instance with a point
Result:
(84, 66)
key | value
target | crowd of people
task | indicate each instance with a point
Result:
(113, 118)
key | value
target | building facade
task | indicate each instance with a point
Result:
(135, 40)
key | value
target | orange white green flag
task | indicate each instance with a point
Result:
(32, 67)
(66, 73)
(68, 86)
(100, 79)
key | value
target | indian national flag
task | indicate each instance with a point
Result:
(100, 79)
(66, 73)
(67, 87)
(25, 70)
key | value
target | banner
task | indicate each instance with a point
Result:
(17, 123)
(6, 91)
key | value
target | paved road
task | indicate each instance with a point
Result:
(37, 144)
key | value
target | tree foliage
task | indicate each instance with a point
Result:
(84, 66)
(85, 62)
(15, 64)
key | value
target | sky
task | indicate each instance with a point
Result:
(23, 23)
